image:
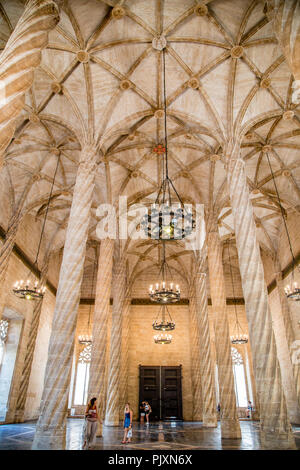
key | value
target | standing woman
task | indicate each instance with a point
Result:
(148, 410)
(91, 416)
(127, 422)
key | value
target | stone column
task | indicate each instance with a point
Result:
(51, 426)
(275, 428)
(289, 337)
(125, 354)
(21, 56)
(113, 388)
(230, 426)
(5, 253)
(285, 15)
(24, 383)
(206, 363)
(195, 356)
(101, 313)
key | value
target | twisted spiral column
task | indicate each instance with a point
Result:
(113, 388)
(5, 253)
(286, 24)
(195, 357)
(21, 56)
(101, 314)
(206, 364)
(124, 355)
(274, 424)
(24, 383)
(51, 426)
(290, 335)
(230, 426)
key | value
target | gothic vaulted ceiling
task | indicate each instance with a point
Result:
(101, 78)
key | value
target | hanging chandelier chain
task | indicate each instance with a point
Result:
(46, 211)
(282, 210)
(165, 112)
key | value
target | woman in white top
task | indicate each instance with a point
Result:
(148, 410)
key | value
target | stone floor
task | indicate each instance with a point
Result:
(164, 436)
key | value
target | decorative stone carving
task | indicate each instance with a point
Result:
(237, 52)
(118, 12)
(193, 83)
(288, 115)
(125, 84)
(201, 9)
(55, 151)
(266, 148)
(214, 157)
(265, 82)
(159, 43)
(159, 114)
(56, 87)
(34, 118)
(83, 56)
(286, 173)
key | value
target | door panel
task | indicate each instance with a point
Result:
(171, 393)
(150, 388)
(161, 387)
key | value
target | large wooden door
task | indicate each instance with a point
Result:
(161, 387)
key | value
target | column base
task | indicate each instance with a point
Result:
(52, 439)
(19, 416)
(272, 440)
(99, 432)
(209, 422)
(230, 429)
(112, 422)
(197, 417)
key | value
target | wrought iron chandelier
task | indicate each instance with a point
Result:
(292, 291)
(162, 338)
(34, 290)
(238, 337)
(88, 338)
(164, 291)
(165, 322)
(168, 219)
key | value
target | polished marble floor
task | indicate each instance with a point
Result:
(164, 436)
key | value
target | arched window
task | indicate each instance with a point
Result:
(3, 337)
(82, 376)
(239, 378)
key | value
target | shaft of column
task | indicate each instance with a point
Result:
(23, 388)
(195, 357)
(101, 314)
(230, 426)
(274, 424)
(113, 388)
(5, 254)
(285, 15)
(206, 363)
(21, 56)
(124, 355)
(289, 331)
(51, 427)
